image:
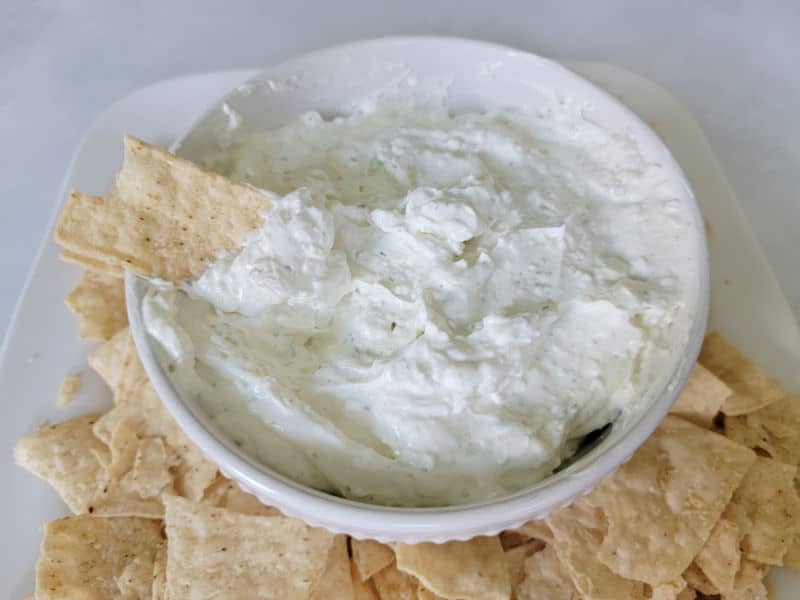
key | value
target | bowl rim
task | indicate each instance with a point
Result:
(363, 520)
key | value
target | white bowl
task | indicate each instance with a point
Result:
(478, 75)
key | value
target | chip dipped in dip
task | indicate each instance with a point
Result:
(437, 308)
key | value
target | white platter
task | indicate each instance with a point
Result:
(41, 346)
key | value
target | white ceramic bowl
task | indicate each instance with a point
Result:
(478, 76)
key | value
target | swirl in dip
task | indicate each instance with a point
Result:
(438, 308)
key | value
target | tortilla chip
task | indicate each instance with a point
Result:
(69, 388)
(721, 556)
(695, 577)
(159, 591)
(753, 389)
(472, 569)
(88, 557)
(139, 413)
(687, 593)
(99, 301)
(772, 431)
(370, 556)
(579, 530)
(515, 560)
(766, 510)
(663, 503)
(213, 552)
(702, 398)
(66, 456)
(545, 579)
(393, 584)
(749, 583)
(791, 559)
(335, 581)
(225, 493)
(98, 266)
(362, 590)
(424, 593)
(668, 591)
(137, 579)
(538, 530)
(109, 358)
(165, 217)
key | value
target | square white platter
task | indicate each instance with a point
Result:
(42, 346)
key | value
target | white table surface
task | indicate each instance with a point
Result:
(733, 63)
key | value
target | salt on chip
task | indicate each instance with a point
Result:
(370, 556)
(99, 301)
(213, 552)
(472, 569)
(98, 266)
(663, 503)
(165, 217)
(766, 510)
(702, 397)
(393, 584)
(88, 557)
(753, 389)
(579, 530)
(109, 358)
(335, 581)
(362, 590)
(721, 556)
(69, 388)
(545, 579)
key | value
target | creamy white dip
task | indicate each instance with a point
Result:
(438, 307)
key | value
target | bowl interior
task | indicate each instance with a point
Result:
(473, 76)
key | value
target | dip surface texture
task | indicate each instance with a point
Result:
(438, 307)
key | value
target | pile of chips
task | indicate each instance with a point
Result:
(704, 508)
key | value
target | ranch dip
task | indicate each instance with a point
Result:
(438, 308)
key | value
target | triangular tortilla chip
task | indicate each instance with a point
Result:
(579, 530)
(370, 556)
(165, 217)
(362, 590)
(335, 581)
(721, 556)
(225, 493)
(773, 431)
(393, 584)
(766, 510)
(516, 557)
(139, 413)
(213, 552)
(663, 503)
(695, 577)
(66, 456)
(753, 389)
(474, 569)
(99, 301)
(109, 358)
(98, 266)
(702, 398)
(545, 579)
(90, 557)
